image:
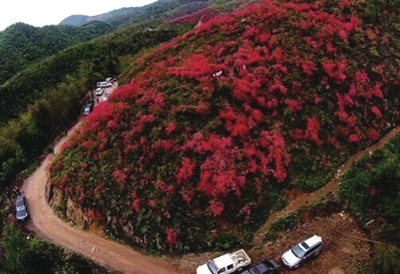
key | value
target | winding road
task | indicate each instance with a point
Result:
(105, 252)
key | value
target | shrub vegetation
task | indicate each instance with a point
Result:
(371, 191)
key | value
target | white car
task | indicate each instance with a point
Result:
(99, 91)
(226, 264)
(103, 84)
(302, 251)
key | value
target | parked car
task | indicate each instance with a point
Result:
(265, 267)
(21, 208)
(226, 264)
(103, 84)
(302, 251)
(99, 91)
(88, 108)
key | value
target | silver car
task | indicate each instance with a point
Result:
(88, 109)
(302, 251)
(21, 208)
(99, 91)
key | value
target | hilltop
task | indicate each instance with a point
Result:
(196, 148)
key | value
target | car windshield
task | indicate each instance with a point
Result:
(297, 251)
(20, 207)
(212, 267)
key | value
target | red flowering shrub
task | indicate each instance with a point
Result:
(354, 138)
(152, 204)
(293, 105)
(170, 128)
(376, 111)
(136, 205)
(313, 128)
(172, 236)
(216, 207)
(373, 134)
(186, 171)
(120, 176)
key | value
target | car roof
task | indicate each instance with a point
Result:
(264, 267)
(271, 264)
(260, 268)
(223, 260)
(312, 241)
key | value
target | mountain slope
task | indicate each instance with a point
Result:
(22, 45)
(192, 152)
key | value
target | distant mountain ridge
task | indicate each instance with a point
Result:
(78, 20)
(161, 9)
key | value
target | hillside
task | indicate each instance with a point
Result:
(194, 151)
(22, 45)
(42, 100)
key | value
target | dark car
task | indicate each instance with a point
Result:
(265, 267)
(21, 208)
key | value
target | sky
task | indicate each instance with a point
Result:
(39, 13)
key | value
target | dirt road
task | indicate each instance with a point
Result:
(46, 224)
